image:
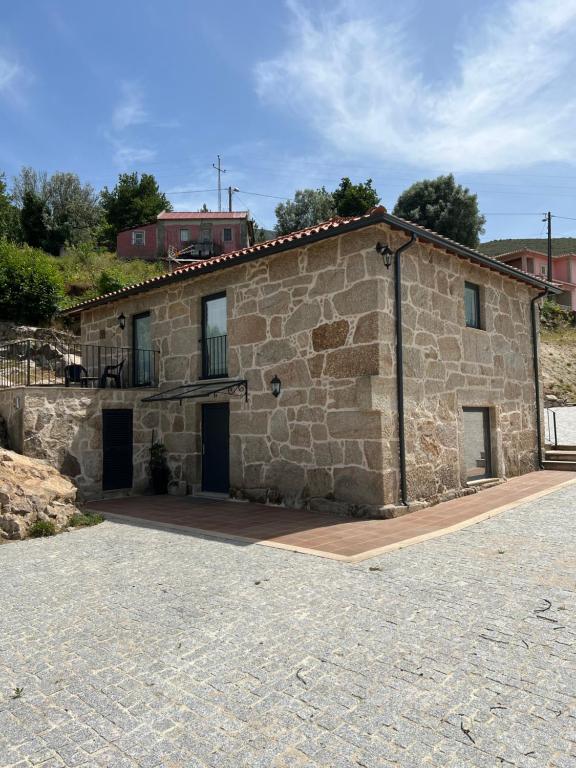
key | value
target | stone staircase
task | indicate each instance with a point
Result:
(561, 457)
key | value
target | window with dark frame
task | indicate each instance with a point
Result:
(214, 336)
(472, 305)
(227, 237)
(184, 235)
(142, 354)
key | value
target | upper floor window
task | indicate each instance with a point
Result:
(214, 336)
(530, 265)
(139, 237)
(472, 304)
(184, 235)
(227, 234)
(544, 270)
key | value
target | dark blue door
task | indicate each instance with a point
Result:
(215, 448)
(117, 450)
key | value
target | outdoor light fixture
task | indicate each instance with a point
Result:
(122, 321)
(386, 252)
(276, 385)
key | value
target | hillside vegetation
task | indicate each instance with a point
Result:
(559, 245)
(558, 352)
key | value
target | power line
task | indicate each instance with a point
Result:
(189, 191)
(261, 194)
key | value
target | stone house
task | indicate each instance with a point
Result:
(365, 365)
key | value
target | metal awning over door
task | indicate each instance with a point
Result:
(197, 389)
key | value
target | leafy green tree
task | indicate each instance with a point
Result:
(445, 207)
(30, 285)
(33, 220)
(308, 207)
(9, 219)
(56, 211)
(73, 210)
(132, 202)
(354, 199)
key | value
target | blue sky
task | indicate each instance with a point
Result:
(296, 94)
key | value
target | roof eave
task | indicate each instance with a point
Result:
(378, 217)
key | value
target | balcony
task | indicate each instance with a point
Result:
(215, 357)
(200, 249)
(39, 363)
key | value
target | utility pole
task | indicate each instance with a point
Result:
(548, 220)
(231, 190)
(220, 171)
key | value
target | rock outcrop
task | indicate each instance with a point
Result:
(32, 490)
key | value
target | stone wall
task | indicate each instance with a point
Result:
(64, 427)
(321, 318)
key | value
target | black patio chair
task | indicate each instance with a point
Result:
(76, 374)
(114, 373)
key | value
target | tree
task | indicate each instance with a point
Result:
(73, 212)
(30, 285)
(132, 202)
(33, 220)
(9, 220)
(354, 199)
(55, 211)
(308, 207)
(445, 207)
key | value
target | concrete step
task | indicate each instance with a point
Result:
(564, 466)
(557, 455)
(561, 448)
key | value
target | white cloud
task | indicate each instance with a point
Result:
(126, 155)
(13, 78)
(130, 109)
(508, 103)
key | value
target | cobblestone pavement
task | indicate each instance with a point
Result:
(565, 423)
(137, 647)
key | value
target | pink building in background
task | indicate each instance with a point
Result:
(536, 263)
(202, 233)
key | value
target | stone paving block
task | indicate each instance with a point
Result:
(172, 656)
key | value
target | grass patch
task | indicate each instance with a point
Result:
(42, 528)
(83, 519)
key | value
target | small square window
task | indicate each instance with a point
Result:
(184, 235)
(227, 234)
(472, 305)
(139, 238)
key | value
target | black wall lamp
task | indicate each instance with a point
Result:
(122, 321)
(276, 386)
(386, 252)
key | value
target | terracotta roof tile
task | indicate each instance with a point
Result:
(325, 229)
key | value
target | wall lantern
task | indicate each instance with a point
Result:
(386, 252)
(122, 321)
(276, 386)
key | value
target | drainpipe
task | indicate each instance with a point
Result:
(400, 367)
(536, 368)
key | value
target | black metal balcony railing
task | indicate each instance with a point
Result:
(37, 363)
(214, 357)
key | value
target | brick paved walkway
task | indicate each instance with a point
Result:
(143, 648)
(324, 534)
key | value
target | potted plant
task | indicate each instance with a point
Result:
(159, 469)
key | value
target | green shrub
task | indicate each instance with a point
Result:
(42, 528)
(85, 518)
(554, 317)
(30, 285)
